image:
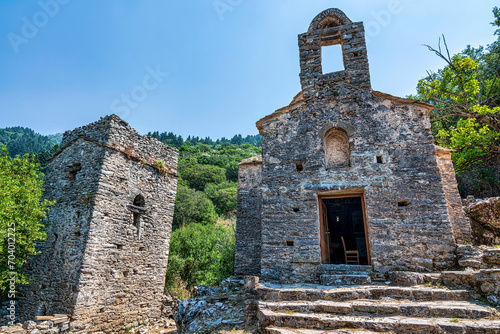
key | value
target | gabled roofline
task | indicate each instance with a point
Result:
(299, 100)
(427, 106)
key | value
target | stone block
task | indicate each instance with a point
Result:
(340, 280)
(458, 279)
(492, 256)
(407, 278)
(250, 282)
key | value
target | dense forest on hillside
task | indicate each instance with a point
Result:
(202, 242)
(173, 140)
(20, 140)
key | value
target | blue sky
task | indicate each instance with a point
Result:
(200, 67)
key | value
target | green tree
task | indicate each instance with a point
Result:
(199, 254)
(21, 214)
(198, 176)
(192, 206)
(223, 196)
(44, 156)
(202, 250)
(466, 96)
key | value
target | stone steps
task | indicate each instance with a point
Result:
(342, 274)
(449, 309)
(305, 309)
(343, 280)
(270, 292)
(343, 268)
(396, 324)
(277, 330)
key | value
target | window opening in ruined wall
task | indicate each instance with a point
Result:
(337, 152)
(72, 171)
(138, 210)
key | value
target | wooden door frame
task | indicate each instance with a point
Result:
(324, 242)
(346, 194)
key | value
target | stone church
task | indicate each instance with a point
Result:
(348, 175)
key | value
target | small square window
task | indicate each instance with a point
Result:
(404, 203)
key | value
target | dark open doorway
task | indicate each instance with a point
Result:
(343, 218)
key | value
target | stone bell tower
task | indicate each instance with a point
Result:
(105, 257)
(329, 28)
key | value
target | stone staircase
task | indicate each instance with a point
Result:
(309, 309)
(342, 274)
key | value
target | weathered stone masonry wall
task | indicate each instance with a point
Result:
(461, 226)
(416, 237)
(56, 269)
(119, 264)
(248, 227)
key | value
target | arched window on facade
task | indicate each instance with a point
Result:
(337, 152)
(139, 200)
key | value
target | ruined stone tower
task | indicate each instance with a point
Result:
(105, 258)
(345, 168)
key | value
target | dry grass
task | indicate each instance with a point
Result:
(226, 222)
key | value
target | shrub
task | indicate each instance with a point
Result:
(199, 254)
(192, 206)
(223, 196)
